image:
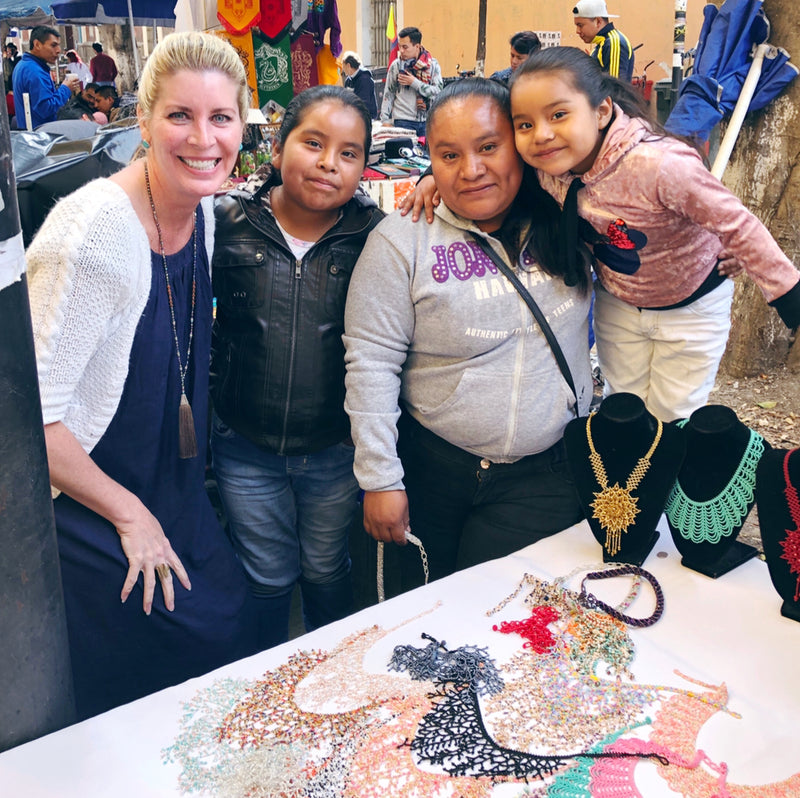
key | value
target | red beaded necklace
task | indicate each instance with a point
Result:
(791, 543)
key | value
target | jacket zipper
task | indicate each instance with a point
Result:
(298, 274)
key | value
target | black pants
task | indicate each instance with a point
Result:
(467, 510)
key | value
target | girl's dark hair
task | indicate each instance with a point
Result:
(303, 102)
(532, 202)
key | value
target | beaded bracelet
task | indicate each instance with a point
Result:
(590, 601)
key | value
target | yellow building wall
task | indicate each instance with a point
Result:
(450, 28)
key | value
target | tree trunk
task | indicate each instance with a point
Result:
(764, 173)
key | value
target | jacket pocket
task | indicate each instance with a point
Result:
(338, 271)
(239, 277)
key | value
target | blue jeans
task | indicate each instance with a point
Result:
(411, 124)
(289, 520)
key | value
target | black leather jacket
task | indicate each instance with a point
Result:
(277, 361)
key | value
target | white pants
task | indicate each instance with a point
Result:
(667, 357)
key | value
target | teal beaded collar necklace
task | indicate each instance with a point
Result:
(709, 521)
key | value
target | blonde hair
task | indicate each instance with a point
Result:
(196, 52)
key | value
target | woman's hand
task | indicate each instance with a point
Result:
(149, 552)
(386, 515)
(143, 540)
(424, 195)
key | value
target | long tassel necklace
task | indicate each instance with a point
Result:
(614, 507)
(187, 439)
(791, 543)
(709, 521)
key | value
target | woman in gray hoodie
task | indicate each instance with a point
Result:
(456, 402)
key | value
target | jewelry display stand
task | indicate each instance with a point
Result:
(777, 484)
(714, 491)
(624, 462)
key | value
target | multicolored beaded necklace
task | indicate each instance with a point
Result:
(614, 507)
(791, 543)
(709, 521)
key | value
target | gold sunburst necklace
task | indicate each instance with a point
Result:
(614, 507)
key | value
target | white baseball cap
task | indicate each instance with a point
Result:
(589, 9)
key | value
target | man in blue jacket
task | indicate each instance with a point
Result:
(32, 77)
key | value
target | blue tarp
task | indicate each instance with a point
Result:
(144, 11)
(724, 55)
(92, 12)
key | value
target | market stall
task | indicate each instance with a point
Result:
(702, 702)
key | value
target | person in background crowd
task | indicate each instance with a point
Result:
(360, 80)
(280, 437)
(102, 66)
(446, 368)
(77, 67)
(10, 61)
(81, 106)
(523, 44)
(612, 50)
(106, 102)
(32, 77)
(120, 294)
(414, 78)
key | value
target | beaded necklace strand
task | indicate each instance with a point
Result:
(709, 521)
(187, 439)
(791, 543)
(614, 507)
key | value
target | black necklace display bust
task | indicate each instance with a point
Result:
(624, 462)
(777, 486)
(714, 491)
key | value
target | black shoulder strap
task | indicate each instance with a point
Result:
(535, 310)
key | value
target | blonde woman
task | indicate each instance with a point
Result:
(121, 305)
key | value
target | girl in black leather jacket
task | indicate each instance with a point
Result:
(280, 438)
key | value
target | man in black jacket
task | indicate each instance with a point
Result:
(360, 81)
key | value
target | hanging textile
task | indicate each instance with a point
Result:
(273, 71)
(322, 15)
(304, 63)
(299, 14)
(238, 16)
(327, 68)
(244, 46)
(276, 18)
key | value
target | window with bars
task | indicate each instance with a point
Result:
(379, 44)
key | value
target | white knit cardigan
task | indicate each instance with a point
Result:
(89, 272)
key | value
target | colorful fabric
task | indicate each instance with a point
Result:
(323, 15)
(273, 65)
(327, 68)
(304, 63)
(238, 16)
(276, 18)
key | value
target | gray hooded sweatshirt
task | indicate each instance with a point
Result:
(431, 322)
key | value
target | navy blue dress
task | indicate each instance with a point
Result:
(118, 653)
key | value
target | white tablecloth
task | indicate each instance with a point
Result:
(726, 630)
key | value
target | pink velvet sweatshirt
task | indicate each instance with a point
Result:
(664, 218)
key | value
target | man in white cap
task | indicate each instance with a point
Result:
(612, 49)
